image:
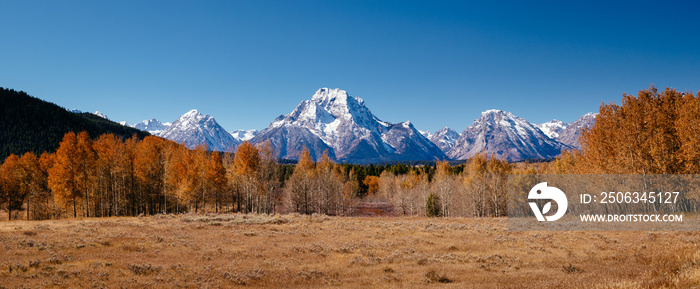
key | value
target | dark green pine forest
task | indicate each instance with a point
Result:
(29, 124)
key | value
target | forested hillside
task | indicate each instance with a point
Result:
(29, 124)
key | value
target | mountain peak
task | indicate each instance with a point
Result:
(445, 138)
(152, 126)
(552, 128)
(570, 135)
(334, 121)
(504, 135)
(327, 94)
(336, 99)
(491, 112)
(446, 129)
(192, 113)
(193, 128)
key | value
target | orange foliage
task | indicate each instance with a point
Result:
(651, 133)
(372, 183)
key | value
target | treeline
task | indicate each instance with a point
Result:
(365, 175)
(476, 189)
(111, 176)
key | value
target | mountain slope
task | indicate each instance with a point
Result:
(193, 129)
(335, 122)
(572, 132)
(503, 135)
(31, 124)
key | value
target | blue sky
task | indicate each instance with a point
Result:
(434, 63)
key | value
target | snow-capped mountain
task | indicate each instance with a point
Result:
(552, 128)
(193, 129)
(343, 126)
(504, 135)
(153, 126)
(244, 135)
(445, 138)
(572, 132)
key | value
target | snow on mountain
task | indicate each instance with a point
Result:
(343, 126)
(244, 135)
(504, 135)
(124, 123)
(102, 115)
(552, 128)
(193, 129)
(153, 126)
(444, 138)
(571, 134)
(426, 133)
(97, 113)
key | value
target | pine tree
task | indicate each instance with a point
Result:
(432, 206)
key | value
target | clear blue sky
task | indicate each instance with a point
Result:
(434, 63)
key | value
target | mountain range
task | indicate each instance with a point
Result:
(342, 126)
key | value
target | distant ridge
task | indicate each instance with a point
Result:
(29, 124)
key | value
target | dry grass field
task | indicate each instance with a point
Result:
(294, 251)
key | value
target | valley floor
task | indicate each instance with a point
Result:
(295, 251)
